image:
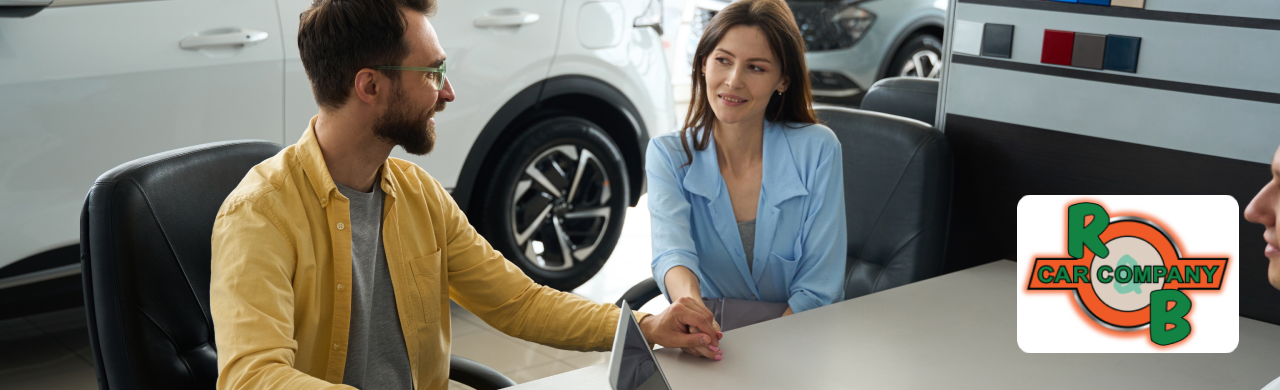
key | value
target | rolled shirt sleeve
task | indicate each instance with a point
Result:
(482, 281)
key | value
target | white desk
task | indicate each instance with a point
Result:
(956, 331)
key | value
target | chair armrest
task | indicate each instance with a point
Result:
(476, 375)
(640, 294)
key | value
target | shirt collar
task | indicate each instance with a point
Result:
(312, 160)
(313, 164)
(780, 179)
(781, 176)
(704, 171)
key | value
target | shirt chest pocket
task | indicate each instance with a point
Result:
(426, 284)
(787, 245)
(782, 270)
(784, 256)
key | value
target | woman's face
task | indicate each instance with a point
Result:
(742, 75)
(1263, 210)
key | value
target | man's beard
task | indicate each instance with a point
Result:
(409, 128)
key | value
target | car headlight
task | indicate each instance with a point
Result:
(831, 26)
(855, 21)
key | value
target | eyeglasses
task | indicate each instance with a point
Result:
(433, 76)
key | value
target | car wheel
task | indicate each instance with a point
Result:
(921, 56)
(556, 203)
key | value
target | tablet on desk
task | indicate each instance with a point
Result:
(632, 365)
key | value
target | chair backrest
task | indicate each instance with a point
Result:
(897, 183)
(145, 249)
(911, 97)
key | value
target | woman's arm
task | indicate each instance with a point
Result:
(672, 235)
(674, 256)
(681, 282)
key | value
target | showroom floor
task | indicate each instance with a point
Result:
(51, 350)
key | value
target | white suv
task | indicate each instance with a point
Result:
(543, 148)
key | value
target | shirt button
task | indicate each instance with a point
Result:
(340, 226)
(335, 347)
(339, 287)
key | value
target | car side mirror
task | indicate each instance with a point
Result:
(22, 8)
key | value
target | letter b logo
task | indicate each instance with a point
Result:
(1162, 315)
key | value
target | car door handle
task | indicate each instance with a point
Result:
(242, 37)
(509, 18)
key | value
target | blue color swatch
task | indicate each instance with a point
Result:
(1122, 53)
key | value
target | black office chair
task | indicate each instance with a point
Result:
(910, 97)
(145, 249)
(897, 183)
(897, 189)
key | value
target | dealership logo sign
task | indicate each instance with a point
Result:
(1127, 273)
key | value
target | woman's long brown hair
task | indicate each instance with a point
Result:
(775, 19)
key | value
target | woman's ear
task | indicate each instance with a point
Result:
(783, 84)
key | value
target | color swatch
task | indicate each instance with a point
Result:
(1092, 51)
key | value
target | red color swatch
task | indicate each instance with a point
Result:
(1057, 47)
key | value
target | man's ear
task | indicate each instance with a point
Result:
(369, 84)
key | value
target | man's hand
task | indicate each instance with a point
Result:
(682, 325)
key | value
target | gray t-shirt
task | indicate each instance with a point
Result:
(748, 231)
(376, 353)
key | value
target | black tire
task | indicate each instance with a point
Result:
(514, 199)
(929, 50)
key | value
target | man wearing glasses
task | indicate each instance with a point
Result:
(333, 264)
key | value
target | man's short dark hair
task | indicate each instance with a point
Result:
(337, 38)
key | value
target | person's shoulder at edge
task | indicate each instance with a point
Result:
(813, 147)
(266, 178)
(669, 141)
(669, 145)
(808, 136)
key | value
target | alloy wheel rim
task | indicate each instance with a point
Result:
(559, 211)
(924, 63)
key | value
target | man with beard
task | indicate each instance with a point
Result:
(333, 264)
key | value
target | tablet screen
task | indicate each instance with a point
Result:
(634, 366)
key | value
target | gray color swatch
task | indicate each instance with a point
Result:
(997, 40)
(1089, 50)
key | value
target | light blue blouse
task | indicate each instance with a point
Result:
(800, 245)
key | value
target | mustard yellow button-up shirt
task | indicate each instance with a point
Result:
(281, 275)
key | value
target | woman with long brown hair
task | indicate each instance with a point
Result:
(747, 199)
